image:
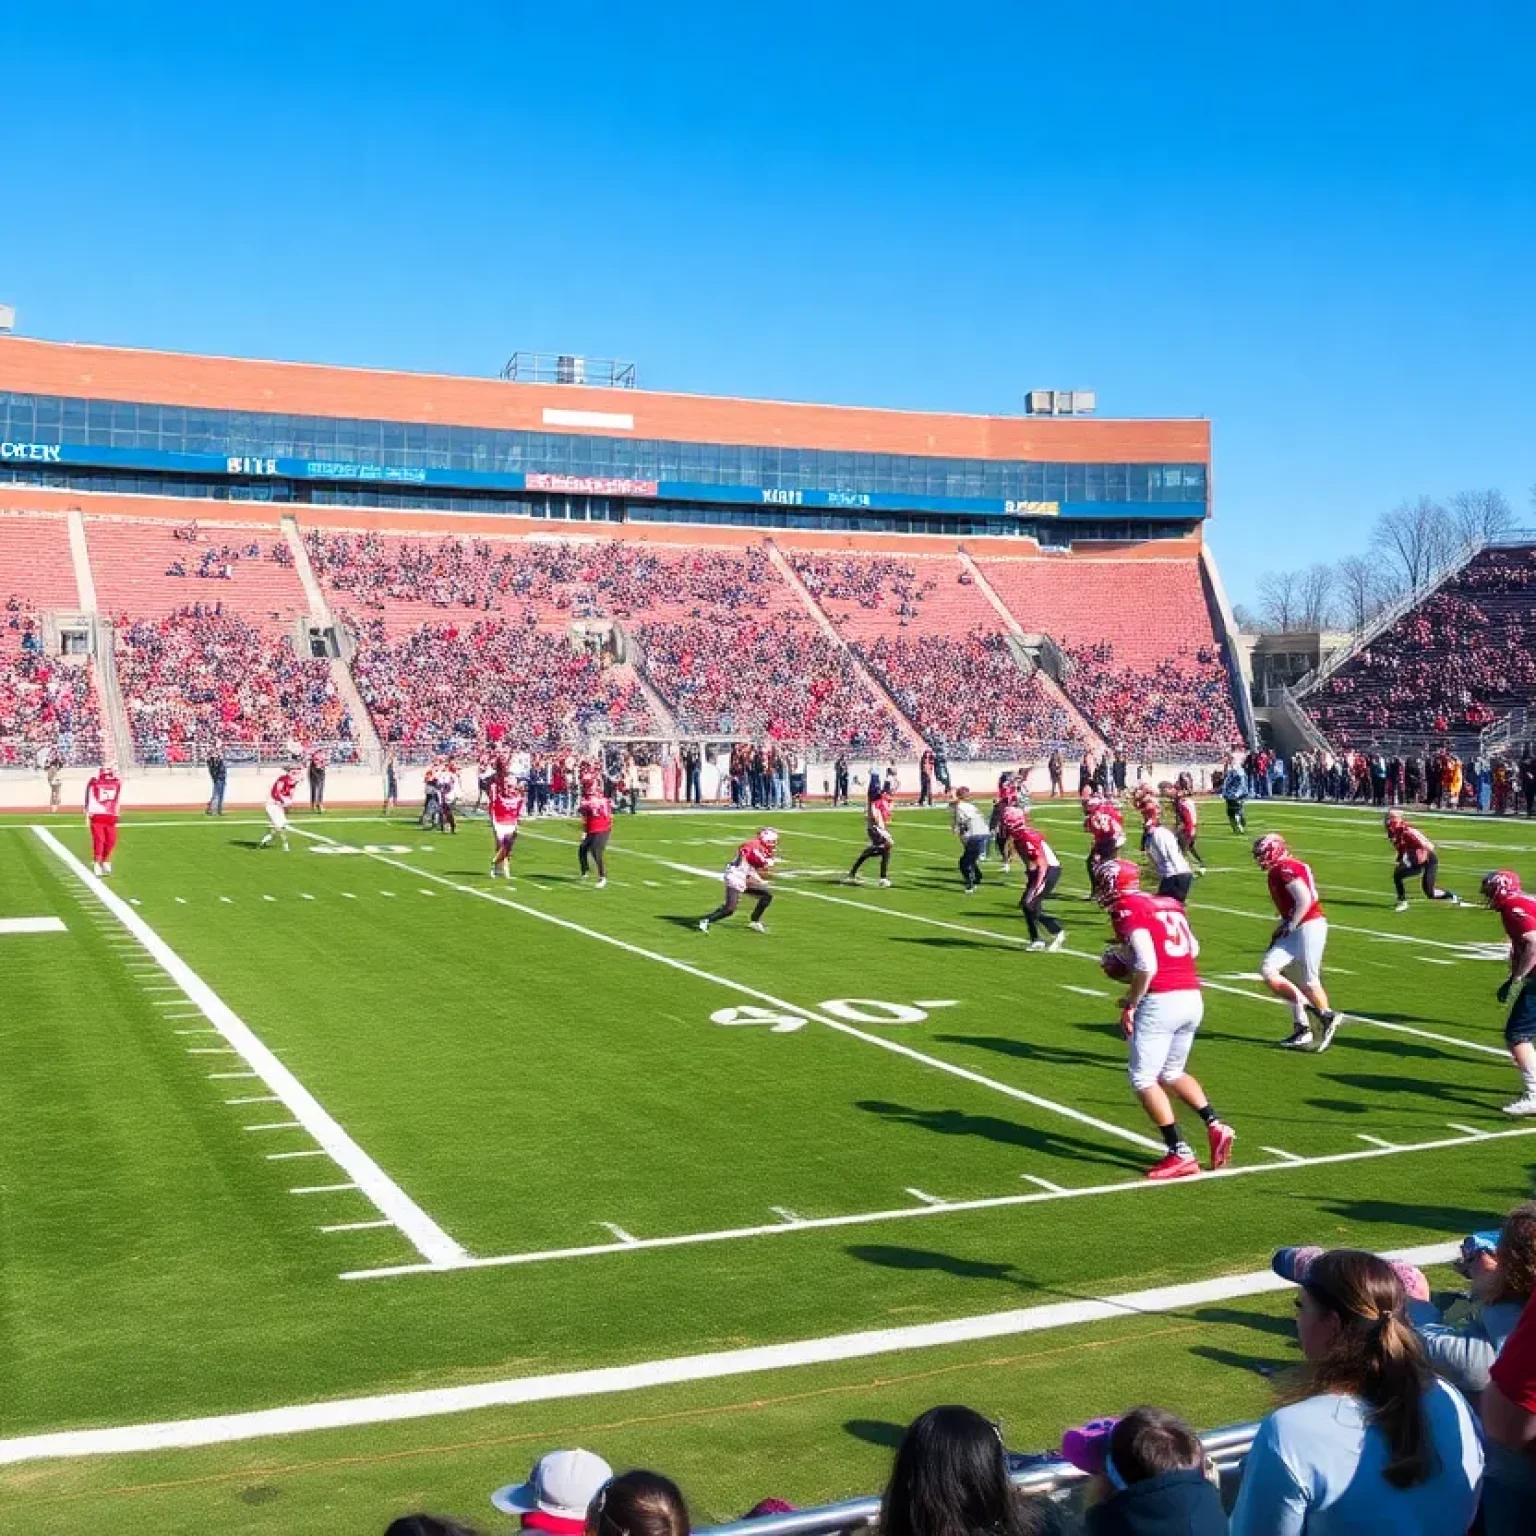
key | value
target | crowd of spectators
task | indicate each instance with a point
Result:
(444, 686)
(200, 676)
(874, 582)
(219, 562)
(777, 676)
(606, 578)
(969, 695)
(1183, 701)
(1455, 663)
(47, 706)
(1409, 1411)
(1503, 784)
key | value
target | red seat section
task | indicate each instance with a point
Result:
(1457, 662)
(1146, 660)
(205, 623)
(47, 703)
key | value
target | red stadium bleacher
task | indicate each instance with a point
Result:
(1454, 663)
(46, 703)
(1146, 659)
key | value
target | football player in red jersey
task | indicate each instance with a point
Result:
(1042, 873)
(103, 801)
(1501, 890)
(1297, 944)
(284, 787)
(748, 872)
(1161, 1013)
(505, 803)
(1007, 799)
(596, 812)
(1187, 816)
(1105, 826)
(877, 825)
(1415, 856)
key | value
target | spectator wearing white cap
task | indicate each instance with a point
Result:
(555, 1497)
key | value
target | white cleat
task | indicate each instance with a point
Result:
(1036, 946)
(1058, 942)
(96, 868)
(703, 925)
(601, 883)
(106, 869)
(852, 880)
(885, 885)
(757, 927)
(1523, 1106)
(1402, 906)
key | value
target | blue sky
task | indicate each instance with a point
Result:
(1315, 224)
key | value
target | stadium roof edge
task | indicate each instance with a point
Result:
(426, 375)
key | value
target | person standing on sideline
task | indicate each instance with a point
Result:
(970, 826)
(218, 777)
(692, 790)
(53, 772)
(1054, 766)
(1234, 791)
(103, 802)
(925, 777)
(840, 779)
(317, 780)
(391, 783)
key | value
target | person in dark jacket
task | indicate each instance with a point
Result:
(1150, 1478)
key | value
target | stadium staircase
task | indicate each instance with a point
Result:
(1090, 734)
(370, 748)
(1238, 667)
(830, 630)
(633, 652)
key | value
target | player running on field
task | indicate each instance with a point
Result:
(966, 822)
(284, 787)
(877, 826)
(596, 812)
(1297, 944)
(1501, 890)
(1042, 874)
(1160, 1013)
(1007, 799)
(747, 874)
(1415, 856)
(504, 800)
(1174, 876)
(103, 802)
(1187, 817)
(1234, 792)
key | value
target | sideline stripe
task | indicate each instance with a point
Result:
(395, 1407)
(895, 1047)
(907, 1212)
(428, 1239)
(32, 925)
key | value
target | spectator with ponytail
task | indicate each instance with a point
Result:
(1370, 1440)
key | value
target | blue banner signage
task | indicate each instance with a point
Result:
(250, 466)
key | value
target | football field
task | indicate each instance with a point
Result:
(345, 1180)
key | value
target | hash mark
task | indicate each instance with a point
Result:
(786, 1215)
(1055, 1189)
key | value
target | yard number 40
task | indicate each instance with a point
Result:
(853, 1010)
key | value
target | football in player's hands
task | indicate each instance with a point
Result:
(1115, 963)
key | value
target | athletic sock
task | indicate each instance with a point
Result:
(1209, 1115)
(1528, 1077)
(1299, 1014)
(1170, 1134)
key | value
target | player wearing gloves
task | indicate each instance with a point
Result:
(1296, 945)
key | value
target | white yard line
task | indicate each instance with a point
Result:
(918, 1194)
(429, 1240)
(1288, 1164)
(32, 925)
(1035, 1179)
(357, 1226)
(893, 1046)
(1291, 1157)
(397, 1407)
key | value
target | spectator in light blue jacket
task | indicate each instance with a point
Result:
(1370, 1440)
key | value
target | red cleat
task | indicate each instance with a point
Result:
(1177, 1165)
(1221, 1137)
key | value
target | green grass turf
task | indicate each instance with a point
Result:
(527, 1083)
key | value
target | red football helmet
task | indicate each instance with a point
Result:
(769, 838)
(1113, 879)
(1269, 850)
(1395, 819)
(1500, 886)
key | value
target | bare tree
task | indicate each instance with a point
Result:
(1279, 600)
(1362, 590)
(1481, 515)
(1415, 538)
(1248, 622)
(1314, 597)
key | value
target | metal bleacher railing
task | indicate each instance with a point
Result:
(1226, 1448)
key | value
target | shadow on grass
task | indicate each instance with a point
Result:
(875, 1432)
(1029, 1050)
(1339, 1106)
(246, 842)
(895, 1256)
(1257, 1322)
(955, 1122)
(1256, 1365)
(1419, 1087)
(1347, 1041)
(947, 943)
(1454, 1219)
